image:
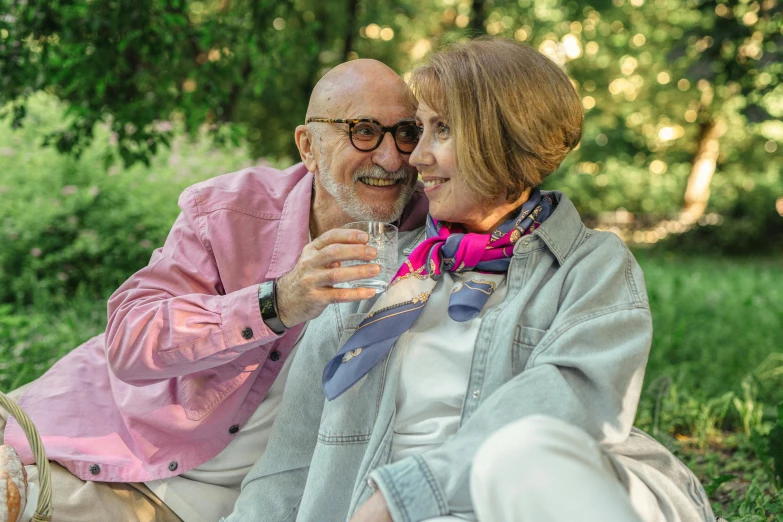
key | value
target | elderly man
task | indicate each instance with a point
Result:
(162, 417)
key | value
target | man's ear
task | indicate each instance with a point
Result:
(305, 142)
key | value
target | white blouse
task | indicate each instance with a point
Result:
(437, 353)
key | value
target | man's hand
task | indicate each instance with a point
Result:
(304, 292)
(374, 510)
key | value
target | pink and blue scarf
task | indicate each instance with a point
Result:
(447, 248)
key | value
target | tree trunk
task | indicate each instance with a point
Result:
(350, 28)
(478, 17)
(697, 193)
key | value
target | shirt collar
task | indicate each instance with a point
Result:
(561, 231)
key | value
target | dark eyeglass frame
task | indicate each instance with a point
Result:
(384, 129)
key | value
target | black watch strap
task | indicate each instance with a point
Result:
(267, 302)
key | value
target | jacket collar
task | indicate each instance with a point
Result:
(562, 230)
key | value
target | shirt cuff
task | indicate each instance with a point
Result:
(241, 318)
(410, 490)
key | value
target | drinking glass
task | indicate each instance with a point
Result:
(383, 238)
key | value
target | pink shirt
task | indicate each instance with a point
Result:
(186, 358)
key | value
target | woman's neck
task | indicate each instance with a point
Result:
(501, 212)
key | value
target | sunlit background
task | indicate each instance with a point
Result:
(109, 108)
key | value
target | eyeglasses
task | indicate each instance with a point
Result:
(367, 134)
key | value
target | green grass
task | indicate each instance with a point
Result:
(709, 393)
(715, 319)
(717, 328)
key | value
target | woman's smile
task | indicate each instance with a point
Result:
(431, 184)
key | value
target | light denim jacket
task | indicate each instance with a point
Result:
(570, 340)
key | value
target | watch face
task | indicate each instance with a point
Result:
(267, 307)
(265, 301)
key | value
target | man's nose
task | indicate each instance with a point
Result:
(387, 155)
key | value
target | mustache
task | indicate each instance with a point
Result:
(377, 172)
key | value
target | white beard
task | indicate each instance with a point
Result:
(354, 206)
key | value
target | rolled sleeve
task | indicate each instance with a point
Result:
(240, 311)
(411, 491)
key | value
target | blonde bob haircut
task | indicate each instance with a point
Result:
(514, 115)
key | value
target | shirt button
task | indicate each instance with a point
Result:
(172, 465)
(476, 394)
(247, 333)
(525, 243)
(233, 429)
(95, 469)
(275, 356)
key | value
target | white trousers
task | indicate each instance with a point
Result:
(541, 469)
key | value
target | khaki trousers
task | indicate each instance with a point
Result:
(76, 500)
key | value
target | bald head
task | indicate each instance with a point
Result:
(346, 178)
(356, 88)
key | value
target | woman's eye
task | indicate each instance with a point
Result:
(443, 129)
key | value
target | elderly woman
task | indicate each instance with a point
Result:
(510, 321)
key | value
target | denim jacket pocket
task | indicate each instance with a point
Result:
(525, 340)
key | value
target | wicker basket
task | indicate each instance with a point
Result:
(43, 511)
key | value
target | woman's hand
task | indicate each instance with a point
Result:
(374, 510)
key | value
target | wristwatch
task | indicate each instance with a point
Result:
(267, 302)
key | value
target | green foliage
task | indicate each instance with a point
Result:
(648, 100)
(679, 411)
(748, 224)
(68, 224)
(748, 407)
(138, 65)
(716, 482)
(642, 65)
(729, 48)
(653, 75)
(32, 339)
(759, 505)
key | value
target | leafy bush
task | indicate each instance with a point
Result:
(69, 224)
(33, 339)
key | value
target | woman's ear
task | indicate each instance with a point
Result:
(305, 142)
